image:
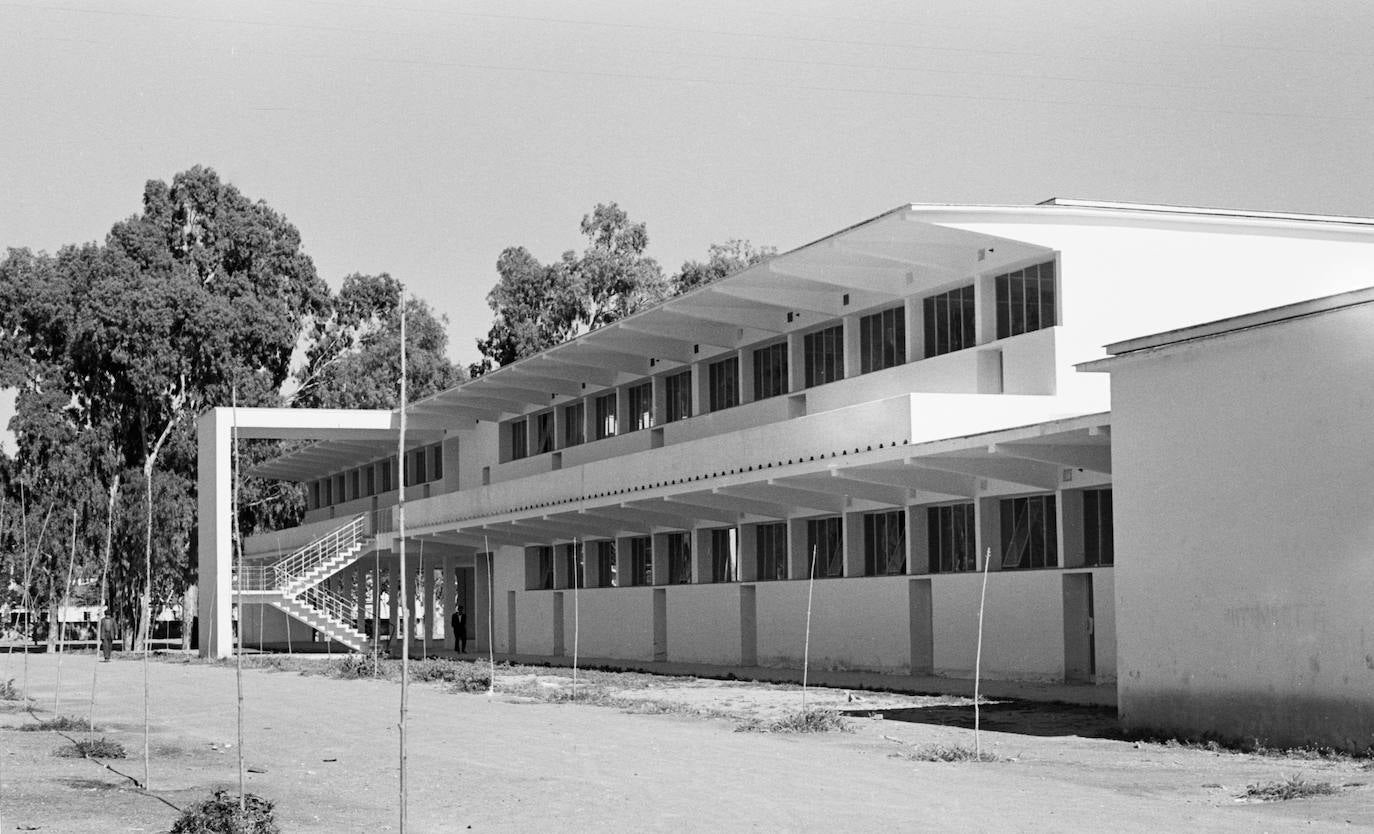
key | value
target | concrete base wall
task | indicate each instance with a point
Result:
(259, 623)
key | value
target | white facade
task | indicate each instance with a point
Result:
(978, 425)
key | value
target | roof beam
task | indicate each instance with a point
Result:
(622, 340)
(550, 381)
(731, 502)
(768, 320)
(909, 476)
(615, 522)
(664, 323)
(778, 495)
(835, 484)
(604, 357)
(1095, 457)
(689, 511)
(569, 369)
(1002, 468)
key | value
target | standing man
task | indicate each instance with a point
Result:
(107, 632)
(459, 622)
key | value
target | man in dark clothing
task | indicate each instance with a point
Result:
(107, 633)
(459, 624)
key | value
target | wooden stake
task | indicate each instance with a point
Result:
(491, 617)
(238, 594)
(806, 648)
(61, 641)
(104, 577)
(578, 556)
(978, 662)
(401, 523)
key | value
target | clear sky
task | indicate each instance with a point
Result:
(423, 137)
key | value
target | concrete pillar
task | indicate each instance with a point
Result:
(799, 550)
(660, 558)
(988, 521)
(748, 553)
(482, 602)
(701, 555)
(394, 594)
(450, 591)
(215, 557)
(917, 540)
(853, 533)
(853, 361)
(746, 376)
(915, 330)
(796, 362)
(623, 572)
(560, 566)
(985, 306)
(431, 613)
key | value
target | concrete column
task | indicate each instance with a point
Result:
(796, 362)
(854, 544)
(660, 558)
(799, 550)
(985, 309)
(394, 593)
(915, 331)
(748, 553)
(917, 540)
(852, 360)
(988, 521)
(451, 599)
(701, 555)
(215, 558)
(624, 575)
(560, 566)
(360, 594)
(1069, 506)
(481, 601)
(431, 613)
(746, 375)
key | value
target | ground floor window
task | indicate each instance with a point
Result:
(724, 555)
(771, 550)
(542, 564)
(885, 543)
(1029, 532)
(1097, 527)
(825, 546)
(605, 564)
(679, 558)
(574, 566)
(950, 532)
(641, 561)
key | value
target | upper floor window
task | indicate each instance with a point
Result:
(824, 360)
(770, 371)
(679, 558)
(543, 433)
(950, 535)
(416, 472)
(949, 321)
(370, 479)
(1097, 527)
(723, 383)
(354, 484)
(641, 399)
(436, 461)
(519, 439)
(882, 340)
(1025, 300)
(641, 561)
(885, 543)
(387, 468)
(677, 391)
(339, 489)
(1030, 532)
(770, 550)
(825, 546)
(574, 420)
(724, 555)
(605, 416)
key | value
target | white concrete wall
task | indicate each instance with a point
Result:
(855, 624)
(615, 623)
(261, 623)
(1023, 624)
(703, 624)
(1244, 510)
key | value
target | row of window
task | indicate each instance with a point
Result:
(423, 465)
(1028, 540)
(1025, 302)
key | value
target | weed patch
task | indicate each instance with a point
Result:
(947, 753)
(9, 692)
(1294, 787)
(92, 748)
(221, 815)
(62, 723)
(801, 721)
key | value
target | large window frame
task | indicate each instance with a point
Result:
(1030, 532)
(1026, 299)
(770, 371)
(885, 543)
(641, 561)
(825, 546)
(606, 417)
(605, 564)
(725, 555)
(519, 439)
(640, 398)
(677, 396)
(951, 531)
(679, 558)
(949, 320)
(723, 384)
(823, 355)
(770, 551)
(882, 339)
(1099, 549)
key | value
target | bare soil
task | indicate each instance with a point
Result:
(635, 752)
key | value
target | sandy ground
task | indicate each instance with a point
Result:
(326, 752)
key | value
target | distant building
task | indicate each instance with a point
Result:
(883, 408)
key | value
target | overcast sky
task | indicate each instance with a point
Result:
(422, 138)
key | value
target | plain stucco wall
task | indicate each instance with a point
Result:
(1244, 519)
(1023, 624)
(855, 624)
(704, 624)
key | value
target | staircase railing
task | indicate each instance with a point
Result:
(330, 604)
(322, 549)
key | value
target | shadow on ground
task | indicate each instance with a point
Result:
(1028, 718)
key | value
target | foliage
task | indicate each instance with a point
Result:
(800, 721)
(947, 753)
(221, 815)
(10, 692)
(1294, 787)
(92, 748)
(723, 259)
(61, 723)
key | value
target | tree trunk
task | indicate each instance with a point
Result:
(54, 614)
(190, 602)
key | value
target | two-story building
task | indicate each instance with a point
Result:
(867, 422)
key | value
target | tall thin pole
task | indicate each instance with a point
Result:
(61, 641)
(806, 648)
(578, 556)
(491, 617)
(376, 604)
(978, 660)
(405, 605)
(423, 582)
(238, 596)
(104, 577)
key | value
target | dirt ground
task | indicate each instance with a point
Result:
(653, 754)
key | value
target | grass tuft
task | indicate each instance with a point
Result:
(1294, 787)
(801, 721)
(10, 692)
(947, 753)
(62, 723)
(86, 748)
(221, 815)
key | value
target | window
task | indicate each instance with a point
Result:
(950, 533)
(1025, 300)
(824, 355)
(679, 558)
(385, 466)
(436, 461)
(885, 543)
(543, 569)
(1029, 532)
(353, 483)
(574, 566)
(605, 416)
(574, 428)
(825, 546)
(519, 439)
(339, 488)
(724, 555)
(724, 383)
(605, 564)
(641, 561)
(1097, 527)
(770, 371)
(415, 472)
(949, 321)
(678, 392)
(370, 476)
(641, 405)
(315, 495)
(543, 433)
(882, 340)
(771, 551)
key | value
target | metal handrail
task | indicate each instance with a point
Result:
(330, 604)
(323, 548)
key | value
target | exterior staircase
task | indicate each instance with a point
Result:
(292, 583)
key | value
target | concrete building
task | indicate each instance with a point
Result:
(885, 408)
